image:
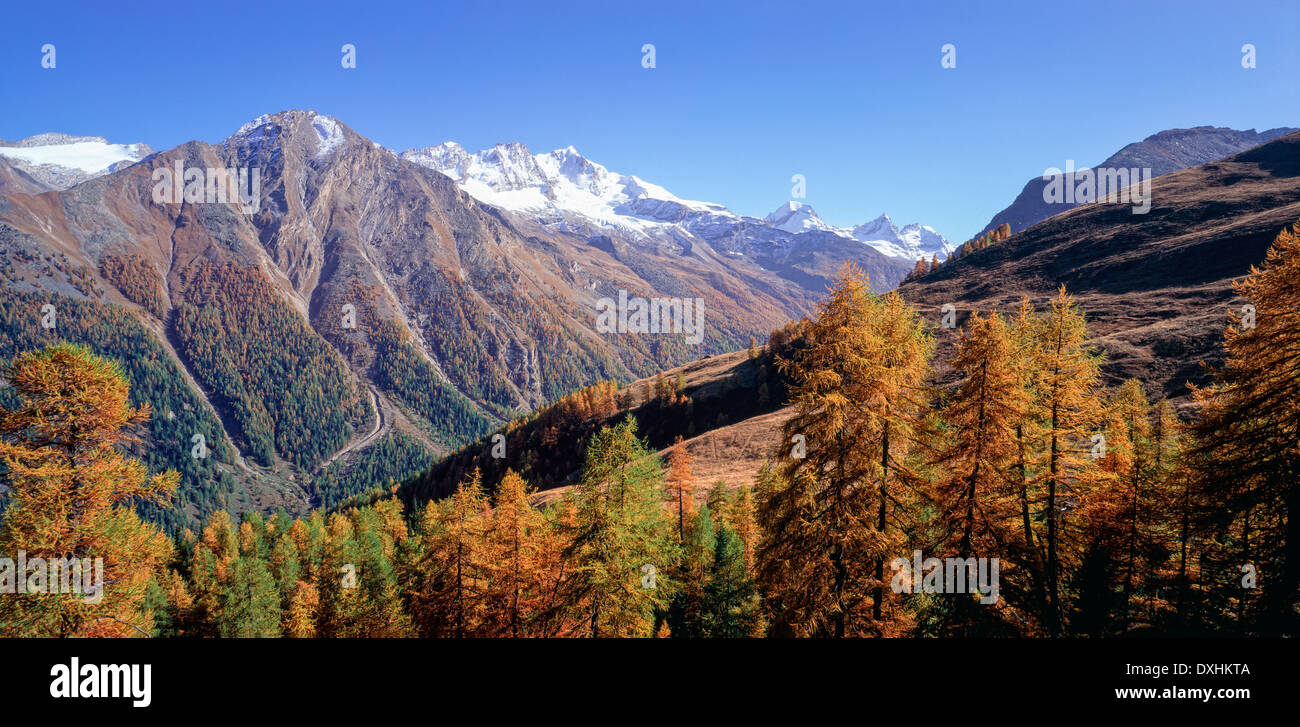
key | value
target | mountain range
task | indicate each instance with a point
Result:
(1156, 290)
(564, 190)
(373, 310)
(363, 303)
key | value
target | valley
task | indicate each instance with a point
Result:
(481, 304)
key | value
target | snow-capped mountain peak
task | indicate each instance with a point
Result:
(913, 242)
(797, 217)
(564, 190)
(924, 239)
(321, 135)
(881, 228)
(560, 188)
(59, 161)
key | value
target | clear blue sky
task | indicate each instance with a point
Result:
(745, 94)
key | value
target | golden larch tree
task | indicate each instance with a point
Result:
(680, 486)
(1246, 459)
(72, 493)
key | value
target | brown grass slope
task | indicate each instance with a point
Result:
(726, 425)
(1157, 287)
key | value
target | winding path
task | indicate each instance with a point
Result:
(369, 438)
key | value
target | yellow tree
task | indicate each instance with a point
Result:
(680, 486)
(1024, 331)
(742, 517)
(448, 598)
(920, 269)
(514, 563)
(71, 496)
(977, 492)
(1246, 459)
(1166, 485)
(856, 385)
(300, 618)
(1068, 413)
(1117, 509)
(981, 448)
(556, 614)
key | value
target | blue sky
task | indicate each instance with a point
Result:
(744, 95)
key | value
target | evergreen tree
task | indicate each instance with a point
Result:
(732, 605)
(719, 500)
(250, 603)
(621, 548)
(688, 612)
(285, 568)
(340, 604)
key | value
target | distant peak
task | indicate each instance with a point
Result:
(253, 125)
(61, 160)
(511, 147)
(797, 217)
(879, 223)
(58, 139)
(325, 133)
(280, 118)
(791, 207)
(568, 152)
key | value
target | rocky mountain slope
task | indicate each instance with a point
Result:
(332, 300)
(1162, 153)
(1156, 286)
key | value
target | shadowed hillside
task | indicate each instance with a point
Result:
(1156, 287)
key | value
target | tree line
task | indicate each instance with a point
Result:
(1108, 513)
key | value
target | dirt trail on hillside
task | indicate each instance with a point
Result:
(367, 440)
